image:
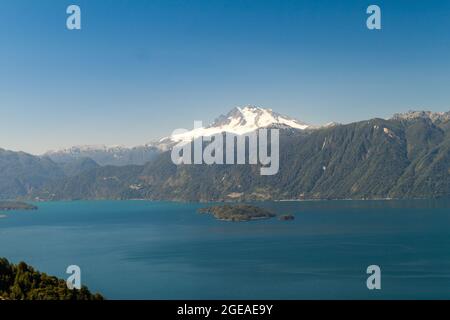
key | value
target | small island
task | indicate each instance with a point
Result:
(14, 205)
(286, 217)
(238, 213)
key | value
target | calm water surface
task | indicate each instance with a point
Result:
(160, 250)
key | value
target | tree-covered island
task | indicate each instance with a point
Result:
(236, 213)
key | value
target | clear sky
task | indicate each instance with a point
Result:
(139, 69)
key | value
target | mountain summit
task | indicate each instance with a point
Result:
(239, 121)
(406, 157)
(249, 118)
(371, 159)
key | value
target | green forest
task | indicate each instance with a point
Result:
(22, 282)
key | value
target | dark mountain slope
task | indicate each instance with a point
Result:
(401, 158)
(78, 166)
(22, 173)
(100, 183)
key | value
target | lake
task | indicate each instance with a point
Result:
(163, 250)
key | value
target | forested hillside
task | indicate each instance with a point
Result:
(22, 282)
(396, 158)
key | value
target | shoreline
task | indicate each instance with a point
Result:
(238, 201)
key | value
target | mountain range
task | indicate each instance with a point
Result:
(237, 121)
(406, 156)
(104, 155)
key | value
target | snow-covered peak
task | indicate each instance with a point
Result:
(239, 121)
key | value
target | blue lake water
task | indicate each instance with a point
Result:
(161, 250)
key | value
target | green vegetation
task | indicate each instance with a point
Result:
(239, 212)
(400, 158)
(78, 166)
(21, 173)
(373, 159)
(14, 205)
(22, 282)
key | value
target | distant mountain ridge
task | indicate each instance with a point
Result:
(373, 159)
(433, 116)
(239, 120)
(21, 173)
(105, 155)
(406, 156)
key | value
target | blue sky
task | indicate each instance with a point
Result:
(139, 69)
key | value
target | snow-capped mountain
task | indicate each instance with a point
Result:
(238, 121)
(249, 118)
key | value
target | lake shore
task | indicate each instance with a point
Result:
(16, 205)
